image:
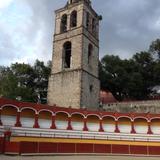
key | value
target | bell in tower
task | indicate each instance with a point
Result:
(74, 78)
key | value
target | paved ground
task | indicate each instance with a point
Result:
(75, 158)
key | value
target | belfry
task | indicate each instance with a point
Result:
(74, 78)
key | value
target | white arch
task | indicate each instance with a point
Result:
(124, 128)
(109, 116)
(9, 120)
(24, 108)
(62, 112)
(93, 126)
(78, 125)
(93, 115)
(141, 129)
(155, 128)
(154, 118)
(125, 117)
(109, 127)
(10, 105)
(46, 110)
(140, 117)
(45, 123)
(28, 121)
(61, 124)
(77, 113)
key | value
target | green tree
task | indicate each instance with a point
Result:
(113, 76)
(146, 64)
(131, 78)
(41, 75)
(25, 82)
(8, 83)
(155, 48)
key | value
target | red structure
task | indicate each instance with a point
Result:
(100, 115)
(106, 97)
(123, 136)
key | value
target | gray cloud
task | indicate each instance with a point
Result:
(127, 27)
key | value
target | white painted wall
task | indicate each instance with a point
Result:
(109, 127)
(93, 126)
(155, 129)
(43, 123)
(27, 122)
(141, 129)
(61, 124)
(8, 120)
(124, 128)
(77, 126)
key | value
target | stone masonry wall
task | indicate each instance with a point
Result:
(77, 86)
(90, 91)
(64, 89)
(134, 107)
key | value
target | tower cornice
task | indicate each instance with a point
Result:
(69, 6)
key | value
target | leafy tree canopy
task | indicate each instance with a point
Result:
(25, 82)
(131, 78)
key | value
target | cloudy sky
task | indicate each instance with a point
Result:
(26, 27)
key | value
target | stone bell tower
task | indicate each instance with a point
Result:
(74, 78)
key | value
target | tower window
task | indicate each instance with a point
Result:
(90, 52)
(87, 20)
(73, 19)
(67, 49)
(91, 88)
(64, 23)
(93, 25)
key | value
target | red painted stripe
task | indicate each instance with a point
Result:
(12, 147)
(48, 148)
(154, 150)
(100, 148)
(139, 150)
(66, 148)
(120, 149)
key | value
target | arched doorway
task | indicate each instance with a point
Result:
(124, 125)
(9, 116)
(155, 126)
(108, 124)
(77, 122)
(93, 123)
(141, 125)
(61, 120)
(45, 119)
(27, 118)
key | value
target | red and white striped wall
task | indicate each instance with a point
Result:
(28, 122)
(19, 114)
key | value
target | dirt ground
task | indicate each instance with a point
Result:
(76, 158)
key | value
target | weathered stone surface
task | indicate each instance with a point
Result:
(134, 107)
(77, 86)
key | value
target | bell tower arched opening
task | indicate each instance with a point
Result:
(73, 19)
(67, 54)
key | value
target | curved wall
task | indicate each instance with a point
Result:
(70, 119)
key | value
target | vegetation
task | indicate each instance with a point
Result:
(133, 78)
(130, 78)
(25, 82)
